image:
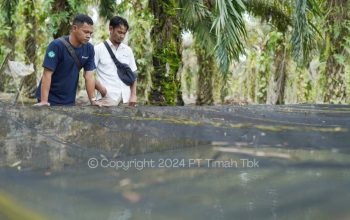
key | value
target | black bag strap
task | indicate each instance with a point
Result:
(125, 73)
(115, 60)
(71, 52)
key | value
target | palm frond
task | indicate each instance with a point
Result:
(203, 37)
(270, 11)
(218, 28)
(197, 18)
(296, 14)
(229, 30)
(303, 36)
(193, 13)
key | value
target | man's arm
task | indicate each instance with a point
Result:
(133, 96)
(90, 86)
(99, 87)
(45, 87)
(133, 67)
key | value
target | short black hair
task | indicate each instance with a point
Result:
(81, 19)
(117, 21)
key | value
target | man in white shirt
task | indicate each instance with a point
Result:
(106, 70)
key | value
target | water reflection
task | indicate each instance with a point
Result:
(302, 174)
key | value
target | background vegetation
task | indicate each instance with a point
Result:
(202, 51)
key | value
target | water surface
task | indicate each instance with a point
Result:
(298, 162)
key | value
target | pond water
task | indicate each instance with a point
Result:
(220, 162)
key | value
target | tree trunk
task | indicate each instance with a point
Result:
(165, 36)
(205, 78)
(29, 83)
(280, 73)
(335, 84)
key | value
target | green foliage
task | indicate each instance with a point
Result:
(271, 12)
(295, 16)
(140, 41)
(219, 27)
(263, 66)
(107, 8)
(4, 32)
(189, 69)
(335, 53)
(8, 8)
(23, 28)
(303, 37)
(169, 65)
(165, 36)
(346, 61)
(61, 13)
(215, 27)
(230, 29)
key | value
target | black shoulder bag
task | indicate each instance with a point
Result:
(124, 72)
(71, 52)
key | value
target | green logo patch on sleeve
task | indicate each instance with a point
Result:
(51, 54)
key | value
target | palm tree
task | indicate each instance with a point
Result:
(218, 25)
(206, 70)
(337, 32)
(281, 15)
(165, 36)
(219, 31)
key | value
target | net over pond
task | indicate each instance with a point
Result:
(219, 162)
